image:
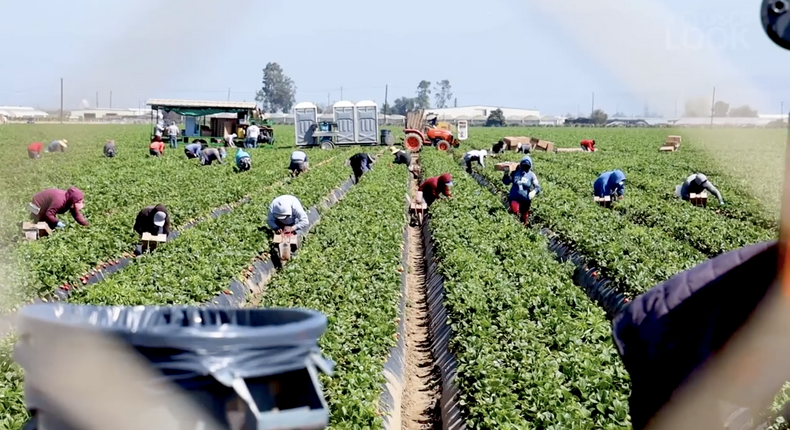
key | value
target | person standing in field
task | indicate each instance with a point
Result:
(435, 187)
(57, 146)
(157, 147)
(173, 132)
(695, 184)
(109, 149)
(48, 204)
(524, 186)
(243, 160)
(251, 139)
(611, 183)
(472, 156)
(360, 163)
(34, 150)
(588, 145)
(299, 163)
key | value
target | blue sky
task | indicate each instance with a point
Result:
(545, 54)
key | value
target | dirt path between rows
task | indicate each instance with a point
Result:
(421, 380)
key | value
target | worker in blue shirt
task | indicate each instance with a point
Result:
(243, 160)
(611, 183)
(193, 150)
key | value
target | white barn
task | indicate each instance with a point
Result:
(481, 112)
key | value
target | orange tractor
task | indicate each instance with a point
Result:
(420, 132)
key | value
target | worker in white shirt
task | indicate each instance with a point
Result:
(299, 163)
(229, 140)
(473, 156)
(160, 128)
(253, 131)
(286, 214)
(172, 133)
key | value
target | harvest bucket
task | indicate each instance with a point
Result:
(260, 363)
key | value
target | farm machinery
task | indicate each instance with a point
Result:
(421, 130)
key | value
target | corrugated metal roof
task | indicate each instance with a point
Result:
(201, 104)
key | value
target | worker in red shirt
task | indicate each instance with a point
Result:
(157, 147)
(435, 187)
(48, 204)
(34, 150)
(588, 145)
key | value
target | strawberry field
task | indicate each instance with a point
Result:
(532, 349)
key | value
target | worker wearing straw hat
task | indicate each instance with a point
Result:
(57, 146)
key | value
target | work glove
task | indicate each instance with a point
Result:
(721, 203)
(532, 194)
(61, 224)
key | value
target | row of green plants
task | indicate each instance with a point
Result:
(350, 270)
(200, 262)
(188, 191)
(532, 350)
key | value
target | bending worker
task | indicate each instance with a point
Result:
(435, 187)
(472, 156)
(243, 160)
(154, 220)
(360, 163)
(48, 204)
(588, 145)
(299, 163)
(193, 150)
(57, 146)
(157, 147)
(286, 214)
(499, 147)
(34, 150)
(109, 149)
(524, 186)
(611, 183)
(695, 184)
(210, 155)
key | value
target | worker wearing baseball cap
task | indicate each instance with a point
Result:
(475, 155)
(57, 146)
(695, 184)
(286, 214)
(154, 220)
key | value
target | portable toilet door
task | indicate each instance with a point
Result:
(305, 116)
(344, 115)
(367, 122)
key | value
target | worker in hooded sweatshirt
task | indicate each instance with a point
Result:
(435, 187)
(157, 147)
(154, 220)
(611, 183)
(472, 156)
(48, 204)
(243, 160)
(286, 214)
(57, 146)
(588, 145)
(299, 163)
(695, 184)
(210, 155)
(109, 149)
(193, 150)
(360, 163)
(34, 150)
(524, 186)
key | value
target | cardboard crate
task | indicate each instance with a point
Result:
(507, 166)
(35, 231)
(674, 140)
(544, 145)
(700, 199)
(603, 201)
(569, 150)
(668, 148)
(512, 142)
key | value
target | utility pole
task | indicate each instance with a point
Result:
(97, 99)
(712, 107)
(327, 100)
(593, 104)
(228, 93)
(61, 100)
(341, 93)
(676, 108)
(782, 109)
(110, 99)
(386, 108)
(455, 102)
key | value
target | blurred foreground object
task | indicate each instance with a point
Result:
(93, 367)
(775, 15)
